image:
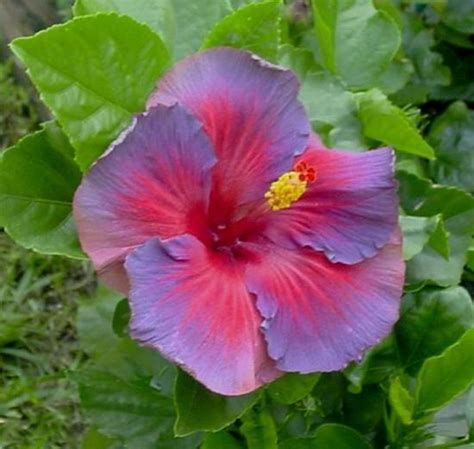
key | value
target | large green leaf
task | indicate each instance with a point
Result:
(94, 72)
(340, 437)
(38, 178)
(385, 122)
(130, 410)
(444, 377)
(259, 429)
(431, 320)
(348, 33)
(193, 20)
(253, 27)
(292, 387)
(157, 14)
(331, 108)
(452, 134)
(200, 409)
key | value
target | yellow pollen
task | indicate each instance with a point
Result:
(287, 189)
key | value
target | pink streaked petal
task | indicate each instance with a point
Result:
(319, 315)
(250, 110)
(349, 211)
(192, 305)
(154, 182)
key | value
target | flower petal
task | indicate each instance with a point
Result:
(350, 210)
(320, 315)
(192, 305)
(154, 182)
(250, 110)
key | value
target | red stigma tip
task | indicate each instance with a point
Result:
(306, 172)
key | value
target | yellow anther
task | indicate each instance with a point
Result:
(287, 189)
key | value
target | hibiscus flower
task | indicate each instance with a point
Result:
(247, 249)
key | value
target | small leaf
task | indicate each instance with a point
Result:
(444, 377)
(452, 134)
(38, 178)
(385, 122)
(259, 430)
(94, 72)
(221, 440)
(338, 436)
(348, 33)
(416, 233)
(200, 409)
(121, 318)
(401, 401)
(431, 320)
(253, 27)
(292, 387)
(439, 239)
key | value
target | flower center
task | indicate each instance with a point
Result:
(290, 186)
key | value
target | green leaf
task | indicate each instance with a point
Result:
(253, 27)
(439, 239)
(292, 387)
(348, 33)
(378, 364)
(331, 108)
(38, 178)
(459, 14)
(470, 413)
(94, 72)
(94, 318)
(131, 410)
(200, 409)
(416, 233)
(385, 122)
(93, 439)
(452, 134)
(193, 20)
(338, 436)
(401, 401)
(429, 69)
(431, 320)
(364, 411)
(121, 318)
(221, 440)
(329, 104)
(157, 14)
(259, 430)
(444, 377)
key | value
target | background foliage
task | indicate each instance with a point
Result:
(388, 72)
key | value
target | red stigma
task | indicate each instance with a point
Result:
(306, 172)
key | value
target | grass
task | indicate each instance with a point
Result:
(38, 346)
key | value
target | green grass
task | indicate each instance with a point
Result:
(38, 347)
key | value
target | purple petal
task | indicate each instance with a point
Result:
(319, 315)
(192, 305)
(250, 110)
(349, 211)
(154, 182)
